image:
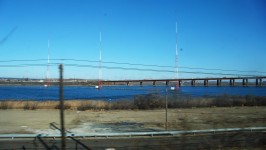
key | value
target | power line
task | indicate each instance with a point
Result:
(154, 70)
(161, 66)
(135, 64)
(22, 60)
(127, 68)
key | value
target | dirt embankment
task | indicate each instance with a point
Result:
(37, 121)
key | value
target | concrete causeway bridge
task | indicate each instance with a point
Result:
(222, 81)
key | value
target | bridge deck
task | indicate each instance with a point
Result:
(245, 80)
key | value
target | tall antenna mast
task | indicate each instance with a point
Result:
(176, 56)
(100, 63)
(48, 66)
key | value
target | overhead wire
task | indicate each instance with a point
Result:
(127, 68)
(134, 64)
(157, 70)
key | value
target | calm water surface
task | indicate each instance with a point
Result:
(116, 92)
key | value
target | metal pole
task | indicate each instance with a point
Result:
(166, 109)
(61, 95)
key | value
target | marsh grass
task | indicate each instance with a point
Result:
(92, 105)
(5, 105)
(30, 105)
(150, 101)
(70, 104)
(27, 105)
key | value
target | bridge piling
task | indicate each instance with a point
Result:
(166, 83)
(245, 82)
(258, 82)
(219, 82)
(192, 82)
(232, 82)
(206, 83)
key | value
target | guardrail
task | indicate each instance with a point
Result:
(131, 134)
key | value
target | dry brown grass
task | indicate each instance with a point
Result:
(13, 121)
(70, 104)
(150, 101)
(94, 104)
(28, 104)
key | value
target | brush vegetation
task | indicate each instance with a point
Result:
(142, 102)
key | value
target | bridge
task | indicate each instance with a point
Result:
(225, 81)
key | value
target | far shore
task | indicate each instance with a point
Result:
(84, 82)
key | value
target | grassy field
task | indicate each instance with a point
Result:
(37, 121)
(141, 102)
(33, 105)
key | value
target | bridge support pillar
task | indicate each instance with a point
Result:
(219, 82)
(127, 83)
(245, 82)
(206, 82)
(179, 82)
(232, 82)
(153, 83)
(192, 82)
(140, 83)
(258, 82)
(166, 83)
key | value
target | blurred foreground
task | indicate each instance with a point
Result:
(232, 140)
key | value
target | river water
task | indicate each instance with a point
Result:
(117, 92)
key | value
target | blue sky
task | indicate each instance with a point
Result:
(223, 34)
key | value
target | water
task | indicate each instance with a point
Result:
(116, 92)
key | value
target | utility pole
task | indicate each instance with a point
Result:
(100, 63)
(47, 84)
(61, 96)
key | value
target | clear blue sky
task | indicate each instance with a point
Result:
(224, 34)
